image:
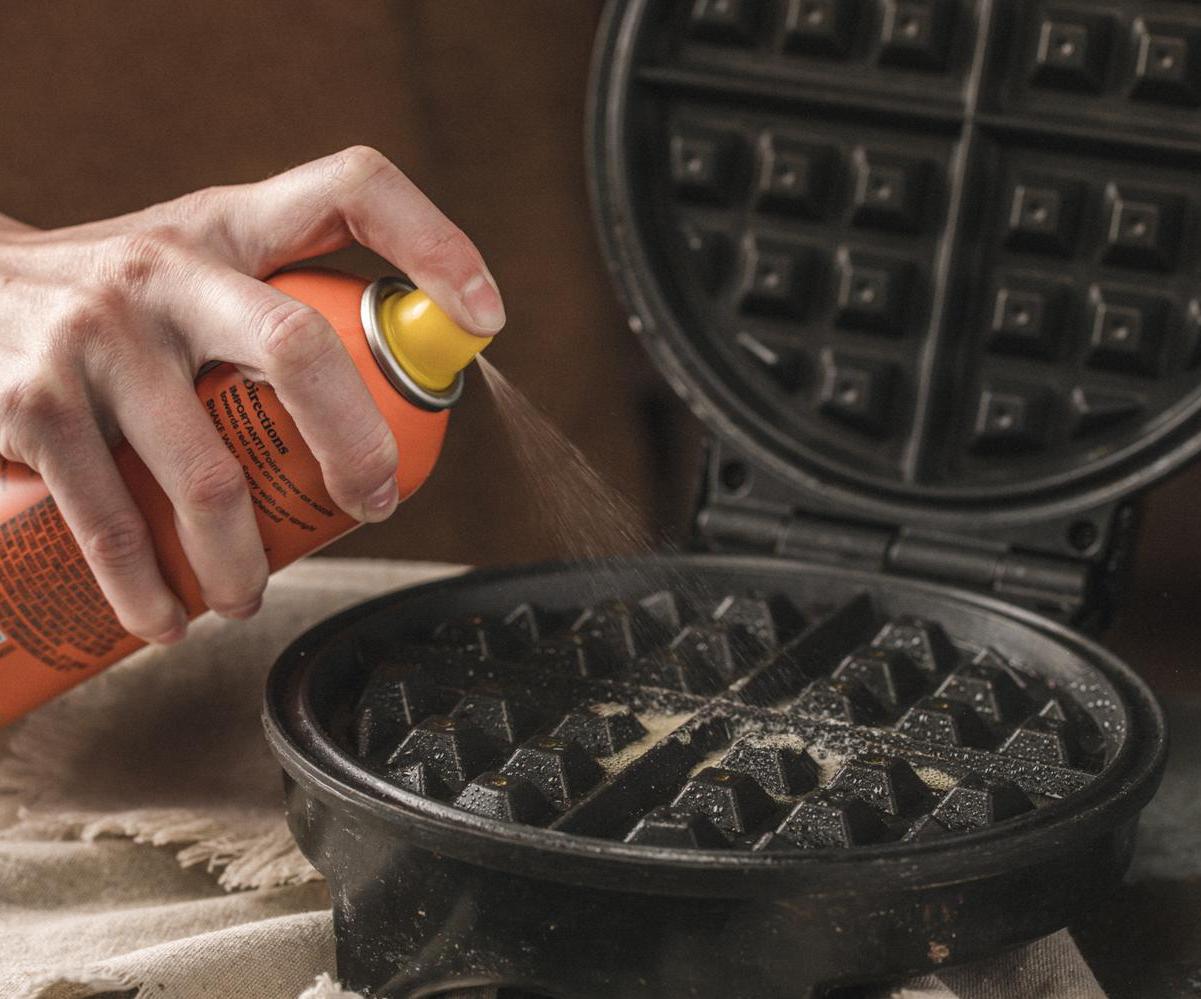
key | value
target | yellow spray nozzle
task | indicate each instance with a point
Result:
(425, 341)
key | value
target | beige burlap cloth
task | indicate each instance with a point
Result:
(143, 850)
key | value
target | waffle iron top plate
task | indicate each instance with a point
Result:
(921, 255)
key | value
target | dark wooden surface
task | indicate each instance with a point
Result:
(110, 106)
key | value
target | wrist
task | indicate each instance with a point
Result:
(9, 224)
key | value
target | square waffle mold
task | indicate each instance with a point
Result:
(728, 725)
(939, 250)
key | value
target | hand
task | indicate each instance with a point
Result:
(104, 326)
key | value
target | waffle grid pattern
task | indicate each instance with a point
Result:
(947, 244)
(736, 723)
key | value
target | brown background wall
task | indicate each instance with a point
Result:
(108, 106)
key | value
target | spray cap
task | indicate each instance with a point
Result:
(425, 341)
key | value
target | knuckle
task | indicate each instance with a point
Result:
(12, 396)
(370, 461)
(201, 218)
(137, 257)
(295, 336)
(118, 543)
(236, 593)
(35, 409)
(92, 310)
(19, 400)
(208, 484)
(444, 242)
(199, 204)
(94, 321)
(357, 164)
(148, 621)
(352, 173)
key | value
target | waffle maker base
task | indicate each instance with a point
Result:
(721, 776)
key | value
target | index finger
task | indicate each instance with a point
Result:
(358, 195)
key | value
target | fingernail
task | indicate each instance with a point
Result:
(245, 611)
(482, 302)
(382, 502)
(172, 636)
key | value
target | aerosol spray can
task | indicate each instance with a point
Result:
(57, 629)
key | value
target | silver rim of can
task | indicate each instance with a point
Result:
(401, 380)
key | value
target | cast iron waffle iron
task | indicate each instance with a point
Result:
(929, 270)
(792, 776)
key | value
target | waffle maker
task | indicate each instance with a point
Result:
(929, 271)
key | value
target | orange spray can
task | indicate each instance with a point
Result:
(57, 629)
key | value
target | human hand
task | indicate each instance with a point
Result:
(104, 327)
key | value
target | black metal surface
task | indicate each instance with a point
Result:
(714, 726)
(930, 262)
(509, 785)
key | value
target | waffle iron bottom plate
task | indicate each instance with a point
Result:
(701, 776)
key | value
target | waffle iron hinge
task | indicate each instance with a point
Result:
(1059, 586)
